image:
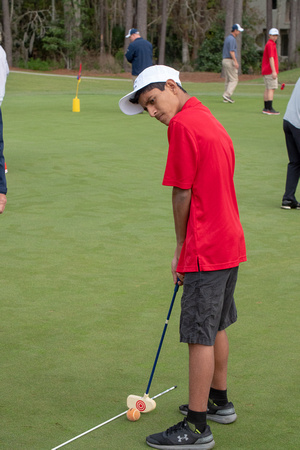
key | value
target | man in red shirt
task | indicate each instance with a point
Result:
(270, 71)
(210, 246)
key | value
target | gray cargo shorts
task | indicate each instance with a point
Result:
(207, 305)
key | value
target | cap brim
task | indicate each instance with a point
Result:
(152, 74)
(130, 108)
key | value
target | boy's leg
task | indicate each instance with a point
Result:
(221, 353)
(194, 429)
(268, 95)
(201, 367)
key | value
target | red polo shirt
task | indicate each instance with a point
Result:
(269, 52)
(201, 158)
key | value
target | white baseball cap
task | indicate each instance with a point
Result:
(274, 32)
(131, 32)
(236, 26)
(152, 74)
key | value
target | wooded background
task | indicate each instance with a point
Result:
(187, 34)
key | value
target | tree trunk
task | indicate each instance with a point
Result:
(269, 17)
(185, 33)
(102, 28)
(200, 6)
(53, 11)
(229, 16)
(68, 30)
(77, 16)
(163, 32)
(229, 5)
(292, 49)
(7, 32)
(238, 18)
(142, 6)
(128, 25)
(298, 36)
(77, 31)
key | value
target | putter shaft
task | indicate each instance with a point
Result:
(162, 337)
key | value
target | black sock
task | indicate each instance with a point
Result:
(266, 105)
(269, 104)
(198, 419)
(218, 397)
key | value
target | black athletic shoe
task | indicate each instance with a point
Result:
(289, 204)
(272, 112)
(181, 437)
(184, 409)
(265, 111)
(221, 414)
(228, 99)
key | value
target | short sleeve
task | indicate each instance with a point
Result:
(182, 157)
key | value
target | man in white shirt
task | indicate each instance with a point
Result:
(4, 71)
(291, 127)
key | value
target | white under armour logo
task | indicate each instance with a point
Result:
(181, 438)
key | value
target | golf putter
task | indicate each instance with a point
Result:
(146, 404)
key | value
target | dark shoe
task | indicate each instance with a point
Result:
(184, 409)
(265, 111)
(290, 204)
(221, 414)
(272, 112)
(181, 437)
(228, 99)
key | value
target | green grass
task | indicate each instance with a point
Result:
(86, 244)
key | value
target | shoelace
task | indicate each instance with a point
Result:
(175, 428)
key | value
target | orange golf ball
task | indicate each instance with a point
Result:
(133, 414)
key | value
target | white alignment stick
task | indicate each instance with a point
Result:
(107, 421)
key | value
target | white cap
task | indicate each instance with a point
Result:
(274, 32)
(131, 32)
(153, 74)
(236, 26)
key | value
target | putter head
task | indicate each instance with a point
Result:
(282, 86)
(143, 404)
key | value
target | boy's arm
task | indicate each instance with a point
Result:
(272, 64)
(181, 200)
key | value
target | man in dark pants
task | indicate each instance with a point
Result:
(291, 127)
(139, 52)
(4, 71)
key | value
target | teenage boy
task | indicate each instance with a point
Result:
(210, 246)
(269, 70)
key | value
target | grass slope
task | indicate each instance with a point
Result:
(86, 244)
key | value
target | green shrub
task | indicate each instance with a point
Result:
(37, 64)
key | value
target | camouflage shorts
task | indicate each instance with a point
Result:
(207, 305)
